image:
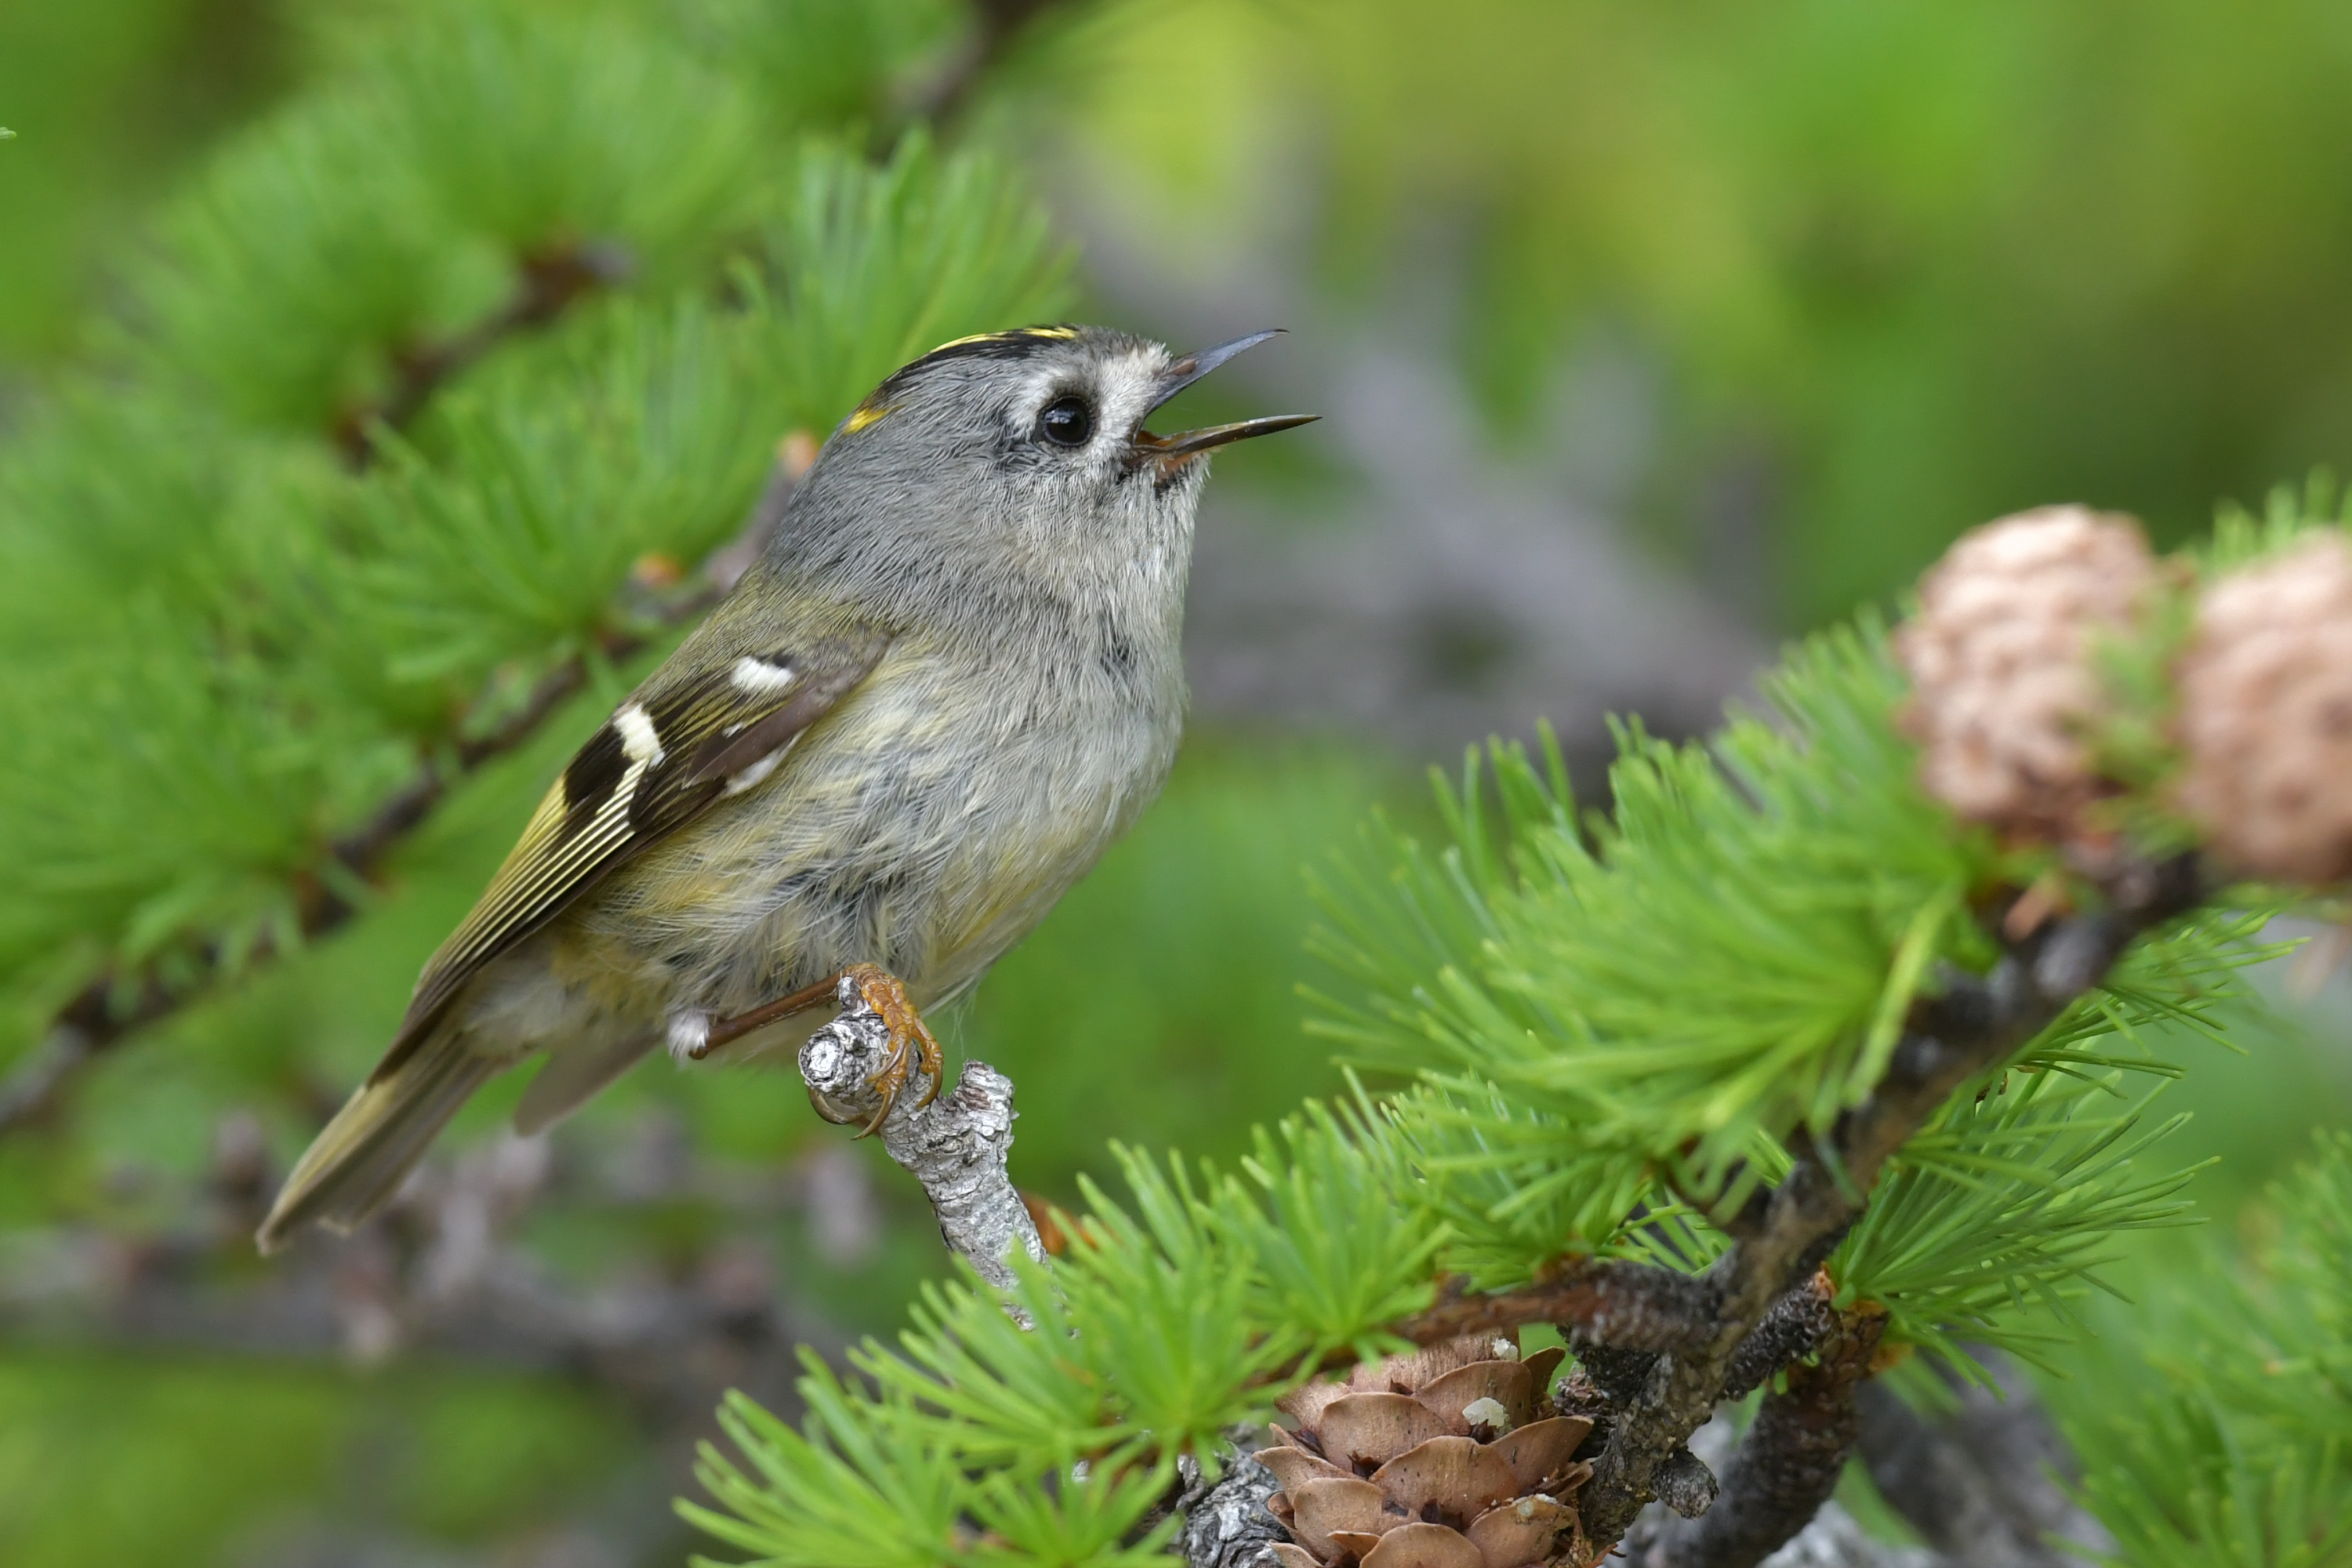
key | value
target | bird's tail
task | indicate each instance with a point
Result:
(353, 1166)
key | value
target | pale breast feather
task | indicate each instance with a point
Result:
(701, 728)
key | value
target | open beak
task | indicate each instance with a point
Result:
(1186, 371)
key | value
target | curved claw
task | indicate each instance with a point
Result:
(910, 1039)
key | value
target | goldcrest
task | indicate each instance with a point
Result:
(950, 682)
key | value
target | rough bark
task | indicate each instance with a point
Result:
(955, 1146)
(1971, 1025)
(1784, 1469)
(1227, 1525)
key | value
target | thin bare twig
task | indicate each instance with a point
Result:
(1617, 1305)
(549, 281)
(1630, 1306)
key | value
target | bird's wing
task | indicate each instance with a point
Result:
(714, 719)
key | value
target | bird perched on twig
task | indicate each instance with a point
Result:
(951, 680)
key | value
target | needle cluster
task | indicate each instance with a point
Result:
(1872, 1120)
(431, 395)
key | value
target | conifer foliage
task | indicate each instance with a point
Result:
(2214, 1423)
(1638, 1038)
(421, 403)
(429, 396)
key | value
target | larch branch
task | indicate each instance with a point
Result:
(120, 1002)
(1974, 1025)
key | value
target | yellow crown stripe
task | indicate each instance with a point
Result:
(1007, 336)
(869, 413)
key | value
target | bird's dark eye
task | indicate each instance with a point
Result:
(1067, 421)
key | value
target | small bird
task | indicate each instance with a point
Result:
(948, 684)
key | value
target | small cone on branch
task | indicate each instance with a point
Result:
(1448, 1459)
(2265, 714)
(2001, 661)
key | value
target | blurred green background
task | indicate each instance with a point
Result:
(1773, 298)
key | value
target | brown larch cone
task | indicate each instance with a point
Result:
(2265, 716)
(2001, 660)
(1448, 1459)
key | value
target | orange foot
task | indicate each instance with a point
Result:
(910, 1040)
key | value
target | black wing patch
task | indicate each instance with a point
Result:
(685, 740)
